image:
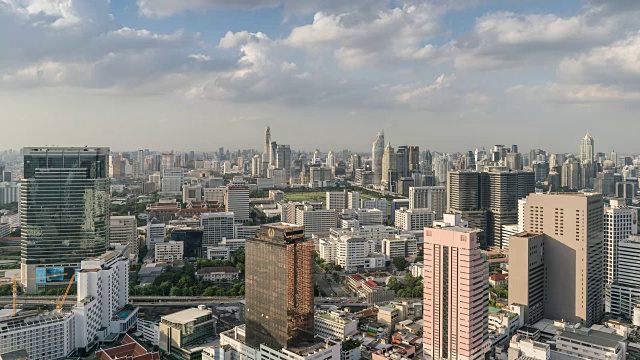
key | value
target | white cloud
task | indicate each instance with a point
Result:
(164, 8)
(391, 35)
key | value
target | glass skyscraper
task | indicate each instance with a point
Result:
(64, 212)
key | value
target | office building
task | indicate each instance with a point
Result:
(589, 343)
(237, 201)
(123, 230)
(571, 178)
(351, 252)
(389, 170)
(376, 156)
(587, 150)
(626, 190)
(514, 161)
(184, 328)
(172, 179)
(505, 189)
(279, 287)
(456, 307)
(216, 226)
(414, 219)
(215, 194)
(573, 226)
(381, 204)
(315, 220)
(169, 251)
(336, 200)
(429, 197)
(404, 245)
(156, 233)
(404, 184)
(541, 170)
(353, 200)
(191, 192)
(192, 240)
(619, 223)
(64, 210)
(527, 275)
(283, 160)
(623, 294)
(9, 193)
(335, 325)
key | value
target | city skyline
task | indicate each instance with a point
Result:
(115, 73)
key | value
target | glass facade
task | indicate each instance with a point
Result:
(64, 205)
(279, 287)
(192, 240)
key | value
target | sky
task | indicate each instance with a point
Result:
(447, 75)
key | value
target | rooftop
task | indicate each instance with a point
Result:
(593, 337)
(217, 269)
(186, 316)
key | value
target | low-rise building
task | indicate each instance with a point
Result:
(129, 348)
(588, 343)
(416, 269)
(218, 273)
(499, 280)
(218, 253)
(335, 325)
(43, 336)
(394, 352)
(522, 347)
(502, 325)
(403, 245)
(184, 328)
(233, 244)
(413, 219)
(150, 330)
(169, 251)
(388, 316)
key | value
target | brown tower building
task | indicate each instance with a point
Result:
(279, 287)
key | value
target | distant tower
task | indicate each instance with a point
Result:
(587, 151)
(377, 153)
(267, 140)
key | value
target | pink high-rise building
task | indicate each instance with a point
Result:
(456, 295)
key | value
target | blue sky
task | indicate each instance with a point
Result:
(449, 75)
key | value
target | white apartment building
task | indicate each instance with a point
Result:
(44, 336)
(216, 226)
(235, 340)
(327, 250)
(233, 244)
(369, 216)
(9, 193)
(335, 325)
(156, 233)
(403, 245)
(623, 294)
(123, 230)
(172, 180)
(215, 194)
(336, 200)
(169, 251)
(353, 200)
(218, 253)
(352, 252)
(381, 204)
(237, 200)
(429, 197)
(521, 347)
(507, 231)
(416, 269)
(619, 223)
(414, 219)
(587, 343)
(375, 233)
(315, 221)
(150, 330)
(451, 220)
(103, 299)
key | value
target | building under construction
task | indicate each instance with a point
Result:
(279, 287)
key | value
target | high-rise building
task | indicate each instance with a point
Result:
(237, 201)
(427, 165)
(336, 200)
(527, 274)
(404, 184)
(620, 222)
(273, 154)
(514, 161)
(413, 219)
(315, 220)
(279, 287)
(414, 159)
(64, 211)
(573, 226)
(267, 140)
(587, 150)
(614, 157)
(123, 230)
(388, 166)
(624, 293)
(353, 200)
(376, 155)
(505, 189)
(283, 160)
(572, 174)
(140, 159)
(256, 166)
(172, 179)
(429, 197)
(216, 226)
(402, 161)
(455, 302)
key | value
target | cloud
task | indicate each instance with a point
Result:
(165, 8)
(617, 63)
(391, 35)
(508, 40)
(579, 94)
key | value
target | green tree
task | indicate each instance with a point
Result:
(176, 291)
(400, 263)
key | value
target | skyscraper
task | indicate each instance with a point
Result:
(587, 150)
(273, 153)
(527, 274)
(377, 152)
(388, 165)
(414, 159)
(283, 160)
(455, 302)
(279, 287)
(267, 140)
(573, 253)
(64, 212)
(427, 167)
(619, 223)
(237, 201)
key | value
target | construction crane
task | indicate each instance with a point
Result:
(66, 292)
(59, 304)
